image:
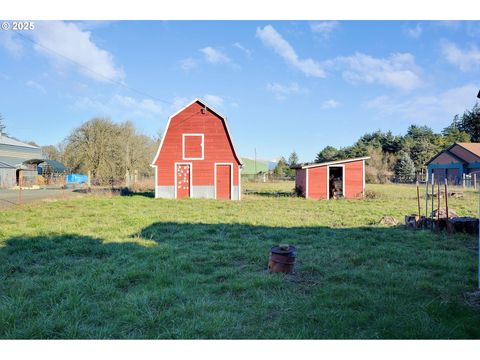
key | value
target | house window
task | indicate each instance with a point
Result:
(192, 145)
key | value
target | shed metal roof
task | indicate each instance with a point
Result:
(328, 163)
(55, 165)
(5, 165)
(5, 140)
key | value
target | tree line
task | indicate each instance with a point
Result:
(399, 156)
(107, 149)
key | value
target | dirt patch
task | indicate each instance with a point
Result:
(443, 213)
(388, 220)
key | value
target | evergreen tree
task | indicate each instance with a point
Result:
(328, 153)
(404, 168)
(293, 159)
(453, 134)
(282, 168)
(470, 123)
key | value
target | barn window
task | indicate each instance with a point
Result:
(193, 146)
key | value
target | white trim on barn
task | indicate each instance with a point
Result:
(363, 178)
(202, 145)
(156, 181)
(308, 166)
(306, 183)
(239, 182)
(215, 178)
(175, 177)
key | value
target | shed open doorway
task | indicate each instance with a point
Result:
(18, 173)
(336, 182)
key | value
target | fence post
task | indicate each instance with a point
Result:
(475, 181)
(463, 181)
(89, 180)
(127, 179)
(433, 192)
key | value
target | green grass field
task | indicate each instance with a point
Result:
(138, 267)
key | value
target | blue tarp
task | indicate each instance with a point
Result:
(76, 178)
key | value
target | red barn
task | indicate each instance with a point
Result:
(333, 179)
(196, 157)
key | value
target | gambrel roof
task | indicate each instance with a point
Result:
(202, 102)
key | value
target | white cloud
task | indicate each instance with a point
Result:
(324, 28)
(398, 70)
(215, 56)
(465, 60)
(213, 100)
(437, 109)
(122, 107)
(188, 64)
(414, 32)
(330, 104)
(247, 52)
(11, 43)
(69, 40)
(271, 38)
(281, 91)
(144, 105)
(35, 85)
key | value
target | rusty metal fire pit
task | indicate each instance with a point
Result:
(282, 259)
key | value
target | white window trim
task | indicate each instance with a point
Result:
(175, 177)
(215, 178)
(202, 145)
(343, 180)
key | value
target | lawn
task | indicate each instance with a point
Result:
(138, 267)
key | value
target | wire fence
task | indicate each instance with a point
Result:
(467, 181)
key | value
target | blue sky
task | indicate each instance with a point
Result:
(283, 85)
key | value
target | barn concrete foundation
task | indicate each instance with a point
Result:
(207, 192)
(165, 192)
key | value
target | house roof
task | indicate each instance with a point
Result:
(5, 140)
(55, 165)
(473, 148)
(336, 162)
(5, 165)
(224, 119)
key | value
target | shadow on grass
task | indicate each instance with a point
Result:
(148, 194)
(115, 191)
(194, 280)
(270, 193)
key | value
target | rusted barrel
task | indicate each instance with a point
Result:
(282, 259)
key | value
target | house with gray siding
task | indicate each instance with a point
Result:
(18, 159)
